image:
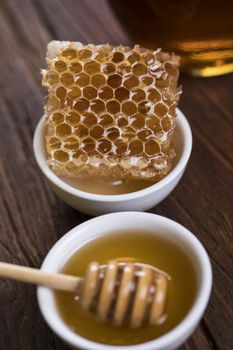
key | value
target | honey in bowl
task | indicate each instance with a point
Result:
(143, 247)
(116, 187)
(107, 186)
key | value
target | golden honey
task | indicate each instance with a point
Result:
(200, 32)
(106, 186)
(110, 111)
(144, 247)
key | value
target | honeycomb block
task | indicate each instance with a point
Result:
(110, 110)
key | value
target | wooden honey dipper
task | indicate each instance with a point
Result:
(120, 292)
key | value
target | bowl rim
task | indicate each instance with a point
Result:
(187, 324)
(178, 168)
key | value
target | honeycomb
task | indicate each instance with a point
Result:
(110, 110)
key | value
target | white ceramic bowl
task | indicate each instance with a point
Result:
(103, 225)
(96, 204)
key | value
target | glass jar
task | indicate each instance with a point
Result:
(199, 31)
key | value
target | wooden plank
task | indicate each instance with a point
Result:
(210, 114)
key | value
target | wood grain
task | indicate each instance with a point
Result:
(32, 218)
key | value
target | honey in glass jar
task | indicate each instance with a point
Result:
(201, 32)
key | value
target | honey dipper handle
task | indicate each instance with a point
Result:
(52, 280)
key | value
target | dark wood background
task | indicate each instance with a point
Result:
(32, 218)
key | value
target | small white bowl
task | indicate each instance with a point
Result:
(97, 204)
(103, 225)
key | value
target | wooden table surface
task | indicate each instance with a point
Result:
(32, 218)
